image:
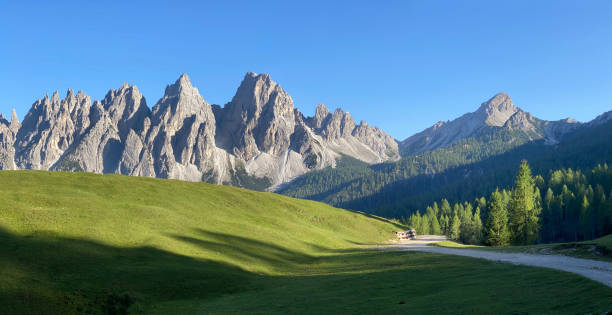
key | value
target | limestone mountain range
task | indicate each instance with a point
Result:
(257, 138)
(497, 112)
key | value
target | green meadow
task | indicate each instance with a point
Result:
(107, 244)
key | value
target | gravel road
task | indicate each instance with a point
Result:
(600, 271)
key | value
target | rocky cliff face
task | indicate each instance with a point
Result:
(260, 118)
(50, 128)
(497, 112)
(258, 137)
(8, 133)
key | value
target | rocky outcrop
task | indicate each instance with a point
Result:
(497, 112)
(8, 132)
(182, 137)
(50, 128)
(258, 137)
(521, 121)
(259, 118)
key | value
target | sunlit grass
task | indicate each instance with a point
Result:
(78, 243)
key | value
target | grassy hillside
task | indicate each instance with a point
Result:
(85, 243)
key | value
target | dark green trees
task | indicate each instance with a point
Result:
(575, 206)
(496, 229)
(524, 208)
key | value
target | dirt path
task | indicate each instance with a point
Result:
(600, 271)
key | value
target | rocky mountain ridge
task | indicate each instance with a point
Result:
(259, 137)
(497, 112)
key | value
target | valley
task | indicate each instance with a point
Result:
(80, 242)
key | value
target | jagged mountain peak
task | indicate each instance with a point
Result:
(125, 88)
(14, 118)
(182, 86)
(256, 76)
(322, 109)
(497, 110)
(256, 90)
(184, 80)
(260, 133)
(322, 114)
(55, 97)
(126, 108)
(182, 99)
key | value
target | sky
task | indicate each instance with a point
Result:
(399, 65)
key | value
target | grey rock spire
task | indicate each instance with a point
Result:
(259, 132)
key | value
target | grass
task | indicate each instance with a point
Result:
(597, 249)
(85, 243)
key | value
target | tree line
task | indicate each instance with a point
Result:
(573, 207)
(469, 168)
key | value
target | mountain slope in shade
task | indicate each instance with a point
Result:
(497, 135)
(499, 111)
(256, 141)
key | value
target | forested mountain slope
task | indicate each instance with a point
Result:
(468, 168)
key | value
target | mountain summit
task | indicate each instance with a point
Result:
(257, 140)
(499, 112)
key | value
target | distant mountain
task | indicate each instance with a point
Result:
(461, 159)
(256, 141)
(499, 111)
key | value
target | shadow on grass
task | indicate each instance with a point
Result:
(43, 273)
(46, 274)
(246, 249)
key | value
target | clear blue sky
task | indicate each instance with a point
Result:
(399, 65)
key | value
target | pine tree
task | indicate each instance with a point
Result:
(455, 226)
(585, 219)
(496, 229)
(548, 215)
(466, 228)
(445, 208)
(435, 226)
(424, 225)
(444, 225)
(477, 227)
(524, 207)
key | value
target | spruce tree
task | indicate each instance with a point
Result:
(455, 226)
(585, 219)
(524, 208)
(444, 225)
(435, 226)
(445, 208)
(477, 226)
(466, 228)
(496, 229)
